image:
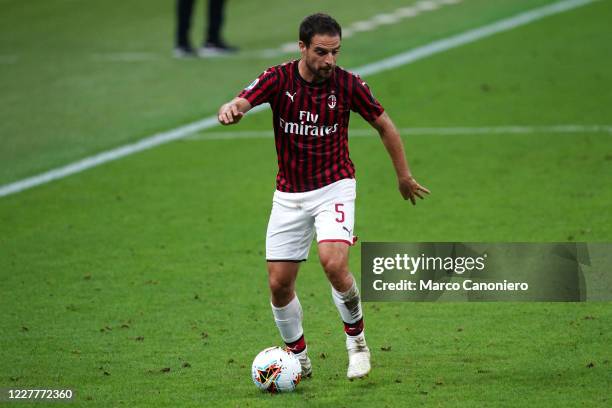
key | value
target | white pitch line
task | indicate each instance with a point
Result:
(369, 69)
(372, 23)
(427, 5)
(426, 131)
(109, 155)
(470, 36)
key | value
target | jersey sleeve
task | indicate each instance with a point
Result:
(363, 102)
(262, 89)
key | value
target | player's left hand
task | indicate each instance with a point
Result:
(409, 188)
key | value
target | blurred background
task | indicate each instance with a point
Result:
(149, 270)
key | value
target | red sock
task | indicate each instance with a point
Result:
(297, 346)
(354, 329)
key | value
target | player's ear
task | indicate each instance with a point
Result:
(302, 47)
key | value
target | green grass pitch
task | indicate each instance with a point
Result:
(142, 282)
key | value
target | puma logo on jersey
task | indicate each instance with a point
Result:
(290, 96)
(347, 230)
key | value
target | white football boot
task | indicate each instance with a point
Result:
(359, 356)
(305, 363)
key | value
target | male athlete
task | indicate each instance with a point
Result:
(311, 99)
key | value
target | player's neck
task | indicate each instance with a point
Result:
(307, 75)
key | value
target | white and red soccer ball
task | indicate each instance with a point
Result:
(276, 370)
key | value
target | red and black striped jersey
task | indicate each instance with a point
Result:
(311, 123)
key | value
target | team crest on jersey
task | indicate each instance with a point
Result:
(331, 101)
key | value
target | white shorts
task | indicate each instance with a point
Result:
(330, 211)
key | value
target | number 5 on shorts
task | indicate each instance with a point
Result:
(339, 211)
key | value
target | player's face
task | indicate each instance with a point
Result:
(320, 56)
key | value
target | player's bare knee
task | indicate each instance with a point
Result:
(279, 286)
(336, 264)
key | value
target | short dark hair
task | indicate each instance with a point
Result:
(318, 23)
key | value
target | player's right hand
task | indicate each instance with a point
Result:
(229, 114)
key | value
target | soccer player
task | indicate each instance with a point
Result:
(311, 99)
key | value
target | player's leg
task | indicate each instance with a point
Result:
(346, 297)
(214, 21)
(184, 10)
(334, 221)
(281, 280)
(287, 310)
(290, 232)
(213, 43)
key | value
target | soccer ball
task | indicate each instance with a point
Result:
(276, 370)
